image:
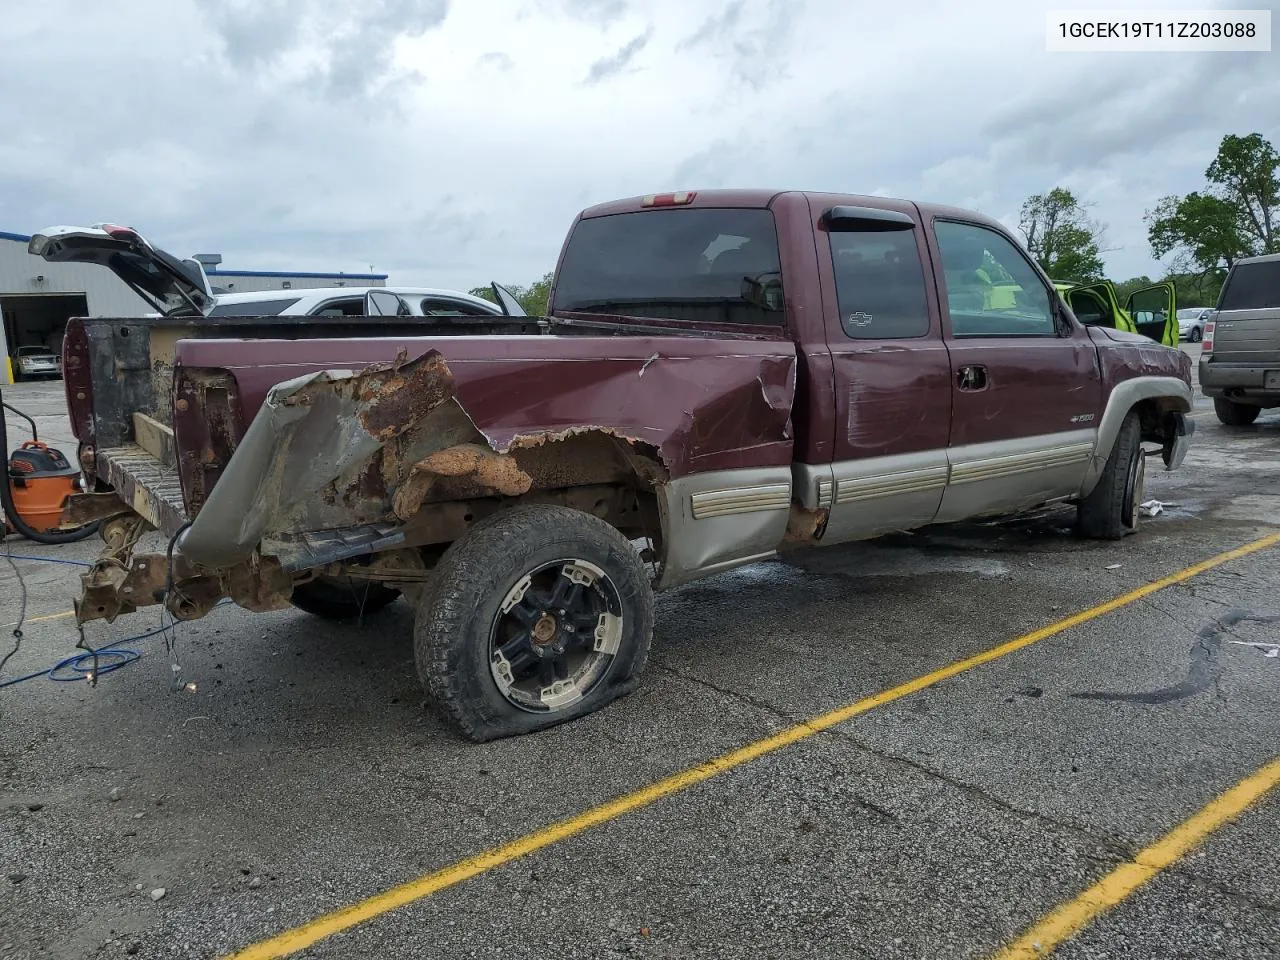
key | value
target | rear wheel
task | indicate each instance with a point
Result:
(1196, 335)
(1110, 511)
(539, 615)
(1235, 414)
(341, 598)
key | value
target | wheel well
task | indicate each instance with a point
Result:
(593, 470)
(1153, 418)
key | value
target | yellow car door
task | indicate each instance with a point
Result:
(1153, 313)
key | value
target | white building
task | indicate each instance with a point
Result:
(37, 298)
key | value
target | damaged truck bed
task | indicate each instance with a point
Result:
(722, 375)
(323, 451)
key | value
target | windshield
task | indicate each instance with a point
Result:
(703, 265)
(34, 352)
(1252, 286)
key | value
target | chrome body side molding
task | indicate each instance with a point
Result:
(882, 494)
(1005, 476)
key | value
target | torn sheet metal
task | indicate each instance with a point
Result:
(309, 431)
(351, 447)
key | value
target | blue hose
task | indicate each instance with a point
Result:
(109, 658)
(69, 563)
(114, 657)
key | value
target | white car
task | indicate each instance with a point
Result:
(1191, 321)
(359, 302)
(37, 362)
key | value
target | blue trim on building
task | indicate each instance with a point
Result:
(290, 274)
(21, 238)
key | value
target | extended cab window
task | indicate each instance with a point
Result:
(992, 289)
(1252, 286)
(451, 308)
(705, 265)
(880, 285)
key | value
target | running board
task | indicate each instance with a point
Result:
(307, 550)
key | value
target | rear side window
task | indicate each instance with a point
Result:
(1252, 286)
(704, 265)
(452, 308)
(880, 285)
(255, 308)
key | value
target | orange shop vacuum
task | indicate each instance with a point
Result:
(40, 479)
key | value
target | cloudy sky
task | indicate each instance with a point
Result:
(451, 142)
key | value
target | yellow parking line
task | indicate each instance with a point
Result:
(1070, 918)
(50, 616)
(291, 941)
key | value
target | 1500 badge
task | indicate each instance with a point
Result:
(1082, 418)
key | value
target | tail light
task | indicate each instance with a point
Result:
(1206, 344)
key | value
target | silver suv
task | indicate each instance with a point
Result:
(1240, 355)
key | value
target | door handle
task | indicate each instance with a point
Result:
(972, 377)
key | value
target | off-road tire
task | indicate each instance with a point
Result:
(457, 615)
(331, 598)
(1110, 511)
(1235, 414)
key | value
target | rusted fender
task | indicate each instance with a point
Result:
(310, 431)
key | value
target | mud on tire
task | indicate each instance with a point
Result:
(1110, 511)
(539, 615)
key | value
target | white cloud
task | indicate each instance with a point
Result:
(453, 144)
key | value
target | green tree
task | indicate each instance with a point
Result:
(1247, 171)
(1061, 237)
(1198, 289)
(1202, 230)
(1236, 215)
(1126, 287)
(533, 297)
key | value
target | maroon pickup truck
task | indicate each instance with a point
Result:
(721, 375)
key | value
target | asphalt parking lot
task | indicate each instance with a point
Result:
(303, 775)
